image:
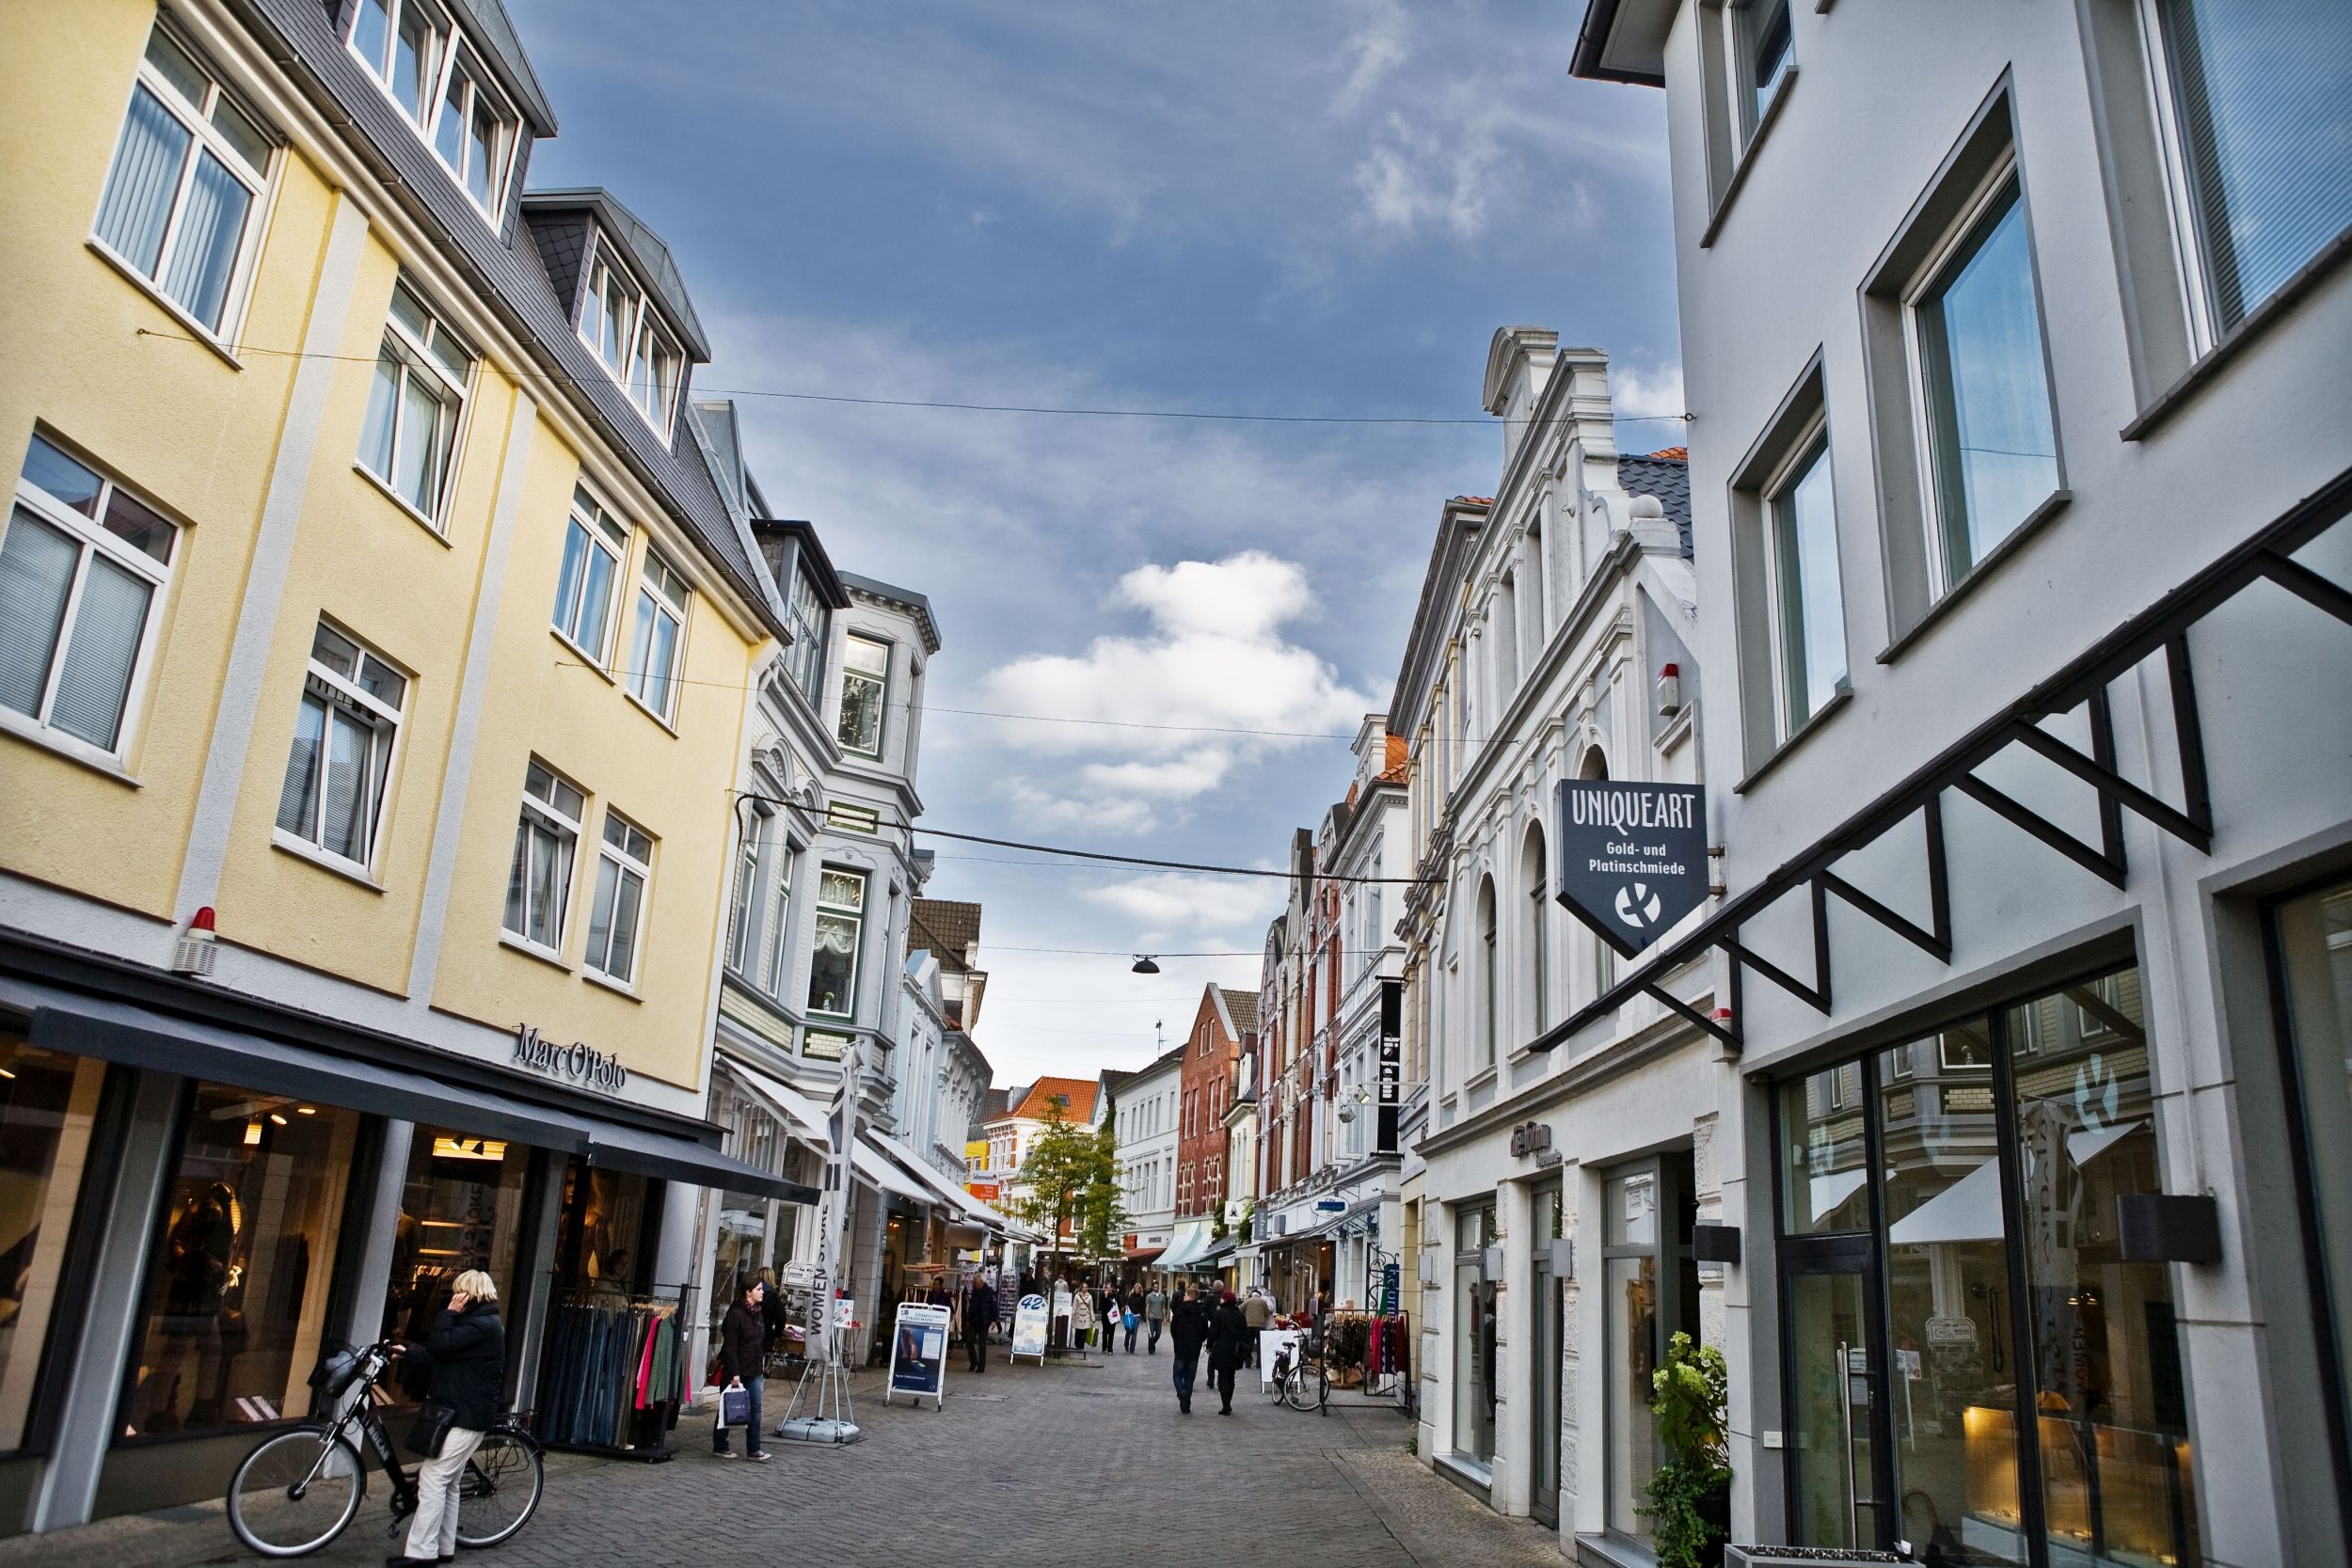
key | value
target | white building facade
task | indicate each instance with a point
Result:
(1144, 1128)
(2014, 336)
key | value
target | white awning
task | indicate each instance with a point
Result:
(1970, 1209)
(1191, 1243)
(881, 1171)
(795, 1106)
(1823, 1194)
(946, 1191)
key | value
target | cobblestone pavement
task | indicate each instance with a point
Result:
(1056, 1464)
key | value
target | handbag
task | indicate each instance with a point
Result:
(431, 1430)
(712, 1376)
(735, 1405)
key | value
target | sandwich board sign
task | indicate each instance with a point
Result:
(918, 1355)
(1632, 857)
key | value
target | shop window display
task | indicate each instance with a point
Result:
(46, 1102)
(1474, 1337)
(235, 1297)
(460, 1208)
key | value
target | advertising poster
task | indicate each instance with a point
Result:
(1028, 1327)
(919, 1352)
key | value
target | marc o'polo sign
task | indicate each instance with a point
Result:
(579, 1062)
(1632, 856)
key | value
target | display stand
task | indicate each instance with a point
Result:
(831, 1418)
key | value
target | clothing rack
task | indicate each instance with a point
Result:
(1387, 1360)
(613, 1373)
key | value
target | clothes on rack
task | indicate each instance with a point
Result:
(614, 1373)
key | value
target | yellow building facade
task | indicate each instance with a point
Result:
(314, 428)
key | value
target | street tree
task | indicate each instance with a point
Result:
(1073, 1176)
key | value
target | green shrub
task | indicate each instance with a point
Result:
(1693, 1409)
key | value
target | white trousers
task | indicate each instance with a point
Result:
(433, 1530)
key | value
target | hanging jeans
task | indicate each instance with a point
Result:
(750, 1428)
(433, 1530)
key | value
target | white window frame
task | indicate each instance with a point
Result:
(1748, 109)
(655, 601)
(91, 534)
(1997, 182)
(749, 894)
(333, 688)
(807, 657)
(856, 914)
(624, 863)
(450, 43)
(608, 534)
(197, 118)
(551, 816)
(1776, 489)
(849, 673)
(417, 354)
(642, 333)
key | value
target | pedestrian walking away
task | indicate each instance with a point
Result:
(1131, 1315)
(464, 1354)
(1188, 1330)
(1154, 1318)
(1229, 1336)
(742, 1335)
(980, 1312)
(1256, 1313)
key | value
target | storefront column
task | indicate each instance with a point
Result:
(707, 1307)
(69, 1485)
(379, 1234)
(541, 1232)
(1515, 1368)
(1584, 1450)
(682, 1259)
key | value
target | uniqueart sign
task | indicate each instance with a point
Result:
(1632, 857)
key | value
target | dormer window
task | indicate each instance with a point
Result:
(414, 52)
(617, 321)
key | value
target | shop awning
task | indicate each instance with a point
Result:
(1192, 1241)
(880, 1170)
(117, 1031)
(954, 1197)
(809, 1121)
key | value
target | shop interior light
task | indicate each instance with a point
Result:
(279, 1119)
(252, 1134)
(468, 1149)
(5, 1073)
(306, 1110)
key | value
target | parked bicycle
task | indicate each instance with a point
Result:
(1300, 1380)
(301, 1488)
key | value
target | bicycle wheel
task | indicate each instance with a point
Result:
(295, 1492)
(1308, 1387)
(500, 1490)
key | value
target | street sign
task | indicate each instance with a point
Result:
(1632, 857)
(918, 1353)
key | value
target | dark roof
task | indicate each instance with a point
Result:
(487, 23)
(1669, 479)
(943, 926)
(508, 271)
(812, 556)
(875, 589)
(649, 257)
(1242, 1006)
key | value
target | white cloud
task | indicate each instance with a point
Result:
(1193, 905)
(1647, 394)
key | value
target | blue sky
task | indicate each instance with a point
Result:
(1323, 207)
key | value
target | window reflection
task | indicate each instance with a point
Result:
(46, 1102)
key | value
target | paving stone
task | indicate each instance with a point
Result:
(1057, 1464)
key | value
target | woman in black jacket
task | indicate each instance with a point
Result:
(743, 1357)
(1188, 1326)
(464, 1354)
(1229, 1345)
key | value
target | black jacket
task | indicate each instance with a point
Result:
(742, 1342)
(771, 1319)
(1229, 1338)
(1188, 1326)
(980, 1307)
(465, 1357)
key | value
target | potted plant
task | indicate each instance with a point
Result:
(1689, 1494)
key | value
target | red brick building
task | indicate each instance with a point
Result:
(1225, 1019)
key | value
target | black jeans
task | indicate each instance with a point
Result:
(1185, 1367)
(1221, 1379)
(976, 1348)
(1154, 1347)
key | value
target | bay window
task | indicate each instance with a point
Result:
(414, 404)
(839, 933)
(616, 917)
(82, 566)
(655, 650)
(332, 799)
(805, 658)
(864, 688)
(595, 545)
(618, 322)
(539, 879)
(185, 187)
(415, 54)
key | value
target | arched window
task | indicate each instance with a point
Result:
(1534, 875)
(1489, 970)
(1507, 641)
(1604, 960)
(1532, 611)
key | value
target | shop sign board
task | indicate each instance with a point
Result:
(987, 1192)
(1028, 1327)
(1391, 1284)
(579, 1062)
(1632, 857)
(918, 1353)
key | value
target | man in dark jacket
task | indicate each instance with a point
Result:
(1188, 1329)
(743, 1357)
(980, 1316)
(464, 1354)
(1228, 1346)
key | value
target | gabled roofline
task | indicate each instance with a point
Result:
(829, 586)
(645, 251)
